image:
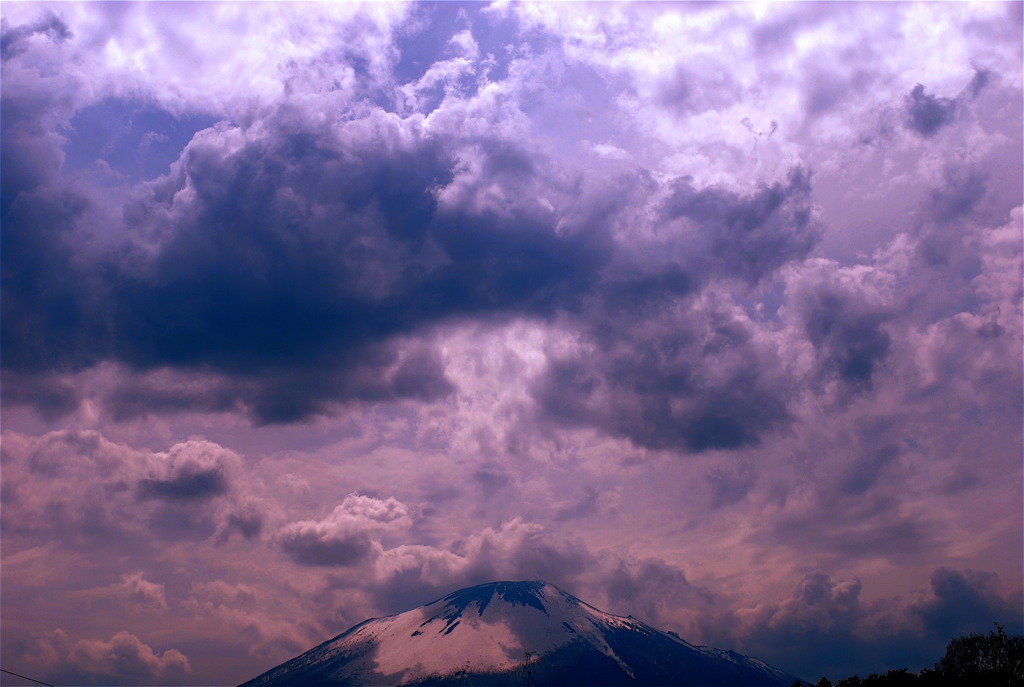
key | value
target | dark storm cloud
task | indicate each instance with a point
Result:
(247, 523)
(962, 190)
(31, 146)
(652, 589)
(964, 601)
(747, 237)
(280, 395)
(666, 374)
(815, 628)
(192, 486)
(301, 246)
(278, 258)
(981, 79)
(826, 624)
(290, 269)
(347, 536)
(653, 392)
(847, 332)
(487, 208)
(315, 549)
(734, 417)
(45, 285)
(285, 267)
(635, 290)
(51, 396)
(47, 322)
(193, 474)
(653, 386)
(12, 39)
(926, 114)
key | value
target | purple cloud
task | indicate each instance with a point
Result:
(123, 659)
(12, 39)
(345, 536)
(710, 314)
(926, 114)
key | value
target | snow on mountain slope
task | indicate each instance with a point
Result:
(479, 635)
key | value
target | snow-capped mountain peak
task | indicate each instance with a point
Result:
(480, 635)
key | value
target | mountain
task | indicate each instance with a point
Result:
(478, 636)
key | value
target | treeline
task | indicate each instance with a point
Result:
(992, 660)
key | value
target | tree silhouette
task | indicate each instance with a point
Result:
(995, 659)
(992, 660)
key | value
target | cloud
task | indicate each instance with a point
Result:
(409, 575)
(133, 593)
(673, 305)
(13, 39)
(174, 67)
(52, 396)
(122, 660)
(693, 378)
(862, 474)
(657, 592)
(750, 237)
(843, 313)
(186, 487)
(960, 601)
(638, 374)
(289, 262)
(729, 485)
(142, 591)
(963, 189)
(346, 536)
(247, 521)
(827, 626)
(926, 114)
(74, 467)
(193, 471)
(94, 492)
(589, 502)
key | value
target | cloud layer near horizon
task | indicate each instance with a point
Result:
(710, 314)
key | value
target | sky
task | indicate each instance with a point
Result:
(706, 313)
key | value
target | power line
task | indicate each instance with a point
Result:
(26, 677)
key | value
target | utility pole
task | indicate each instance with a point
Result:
(529, 667)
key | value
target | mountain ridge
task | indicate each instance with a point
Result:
(479, 635)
